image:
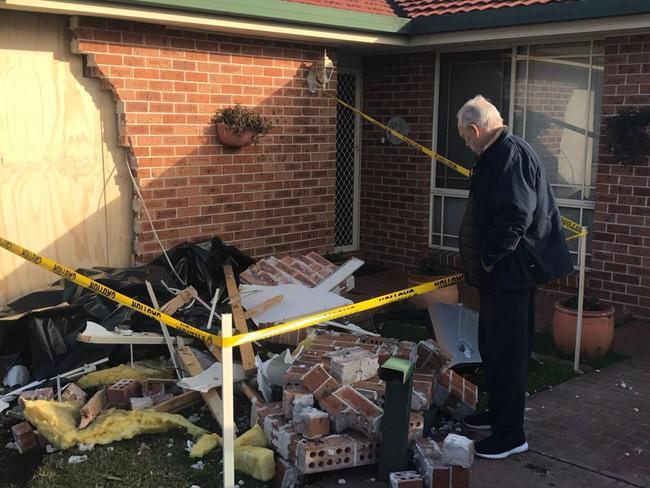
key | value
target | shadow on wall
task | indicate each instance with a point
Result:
(276, 197)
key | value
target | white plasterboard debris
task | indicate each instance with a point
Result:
(271, 373)
(340, 275)
(77, 459)
(298, 301)
(85, 447)
(198, 465)
(3, 406)
(210, 378)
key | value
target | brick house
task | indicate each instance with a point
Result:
(323, 180)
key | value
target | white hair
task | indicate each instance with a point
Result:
(480, 112)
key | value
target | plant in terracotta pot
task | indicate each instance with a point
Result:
(239, 126)
(432, 266)
(597, 326)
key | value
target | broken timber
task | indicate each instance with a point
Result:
(192, 366)
(179, 402)
(93, 408)
(246, 350)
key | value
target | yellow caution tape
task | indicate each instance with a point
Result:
(343, 311)
(107, 292)
(236, 340)
(448, 162)
(569, 224)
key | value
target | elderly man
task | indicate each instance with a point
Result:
(511, 240)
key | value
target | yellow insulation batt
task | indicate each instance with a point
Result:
(257, 462)
(251, 455)
(58, 421)
(208, 442)
(111, 376)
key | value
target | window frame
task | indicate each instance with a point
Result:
(436, 240)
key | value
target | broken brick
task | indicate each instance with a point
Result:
(72, 393)
(430, 356)
(151, 387)
(311, 423)
(295, 398)
(457, 450)
(24, 437)
(319, 382)
(284, 439)
(286, 474)
(38, 394)
(406, 479)
(260, 411)
(455, 395)
(334, 452)
(444, 476)
(426, 456)
(121, 392)
(353, 364)
(350, 409)
(416, 426)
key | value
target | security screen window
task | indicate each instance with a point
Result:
(548, 94)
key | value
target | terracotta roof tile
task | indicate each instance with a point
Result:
(382, 7)
(422, 8)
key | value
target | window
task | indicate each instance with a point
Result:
(548, 94)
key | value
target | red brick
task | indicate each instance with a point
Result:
(406, 479)
(121, 392)
(38, 394)
(319, 382)
(24, 437)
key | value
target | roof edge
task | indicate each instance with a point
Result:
(285, 12)
(526, 14)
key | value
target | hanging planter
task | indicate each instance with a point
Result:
(228, 137)
(597, 327)
(239, 126)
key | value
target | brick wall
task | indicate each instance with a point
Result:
(395, 180)
(621, 230)
(276, 197)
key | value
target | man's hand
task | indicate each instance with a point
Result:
(488, 269)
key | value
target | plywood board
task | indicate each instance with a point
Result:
(65, 191)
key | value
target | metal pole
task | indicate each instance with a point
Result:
(228, 410)
(582, 252)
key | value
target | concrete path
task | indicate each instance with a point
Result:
(592, 431)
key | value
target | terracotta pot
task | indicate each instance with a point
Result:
(229, 138)
(448, 294)
(597, 330)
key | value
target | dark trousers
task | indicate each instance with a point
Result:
(505, 333)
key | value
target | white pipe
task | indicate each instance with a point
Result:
(582, 252)
(228, 409)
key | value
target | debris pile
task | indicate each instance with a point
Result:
(331, 413)
(321, 408)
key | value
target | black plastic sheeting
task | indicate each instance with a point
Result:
(42, 327)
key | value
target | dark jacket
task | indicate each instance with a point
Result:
(512, 221)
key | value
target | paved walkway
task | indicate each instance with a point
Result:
(592, 431)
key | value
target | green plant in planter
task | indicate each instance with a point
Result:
(432, 264)
(627, 134)
(240, 119)
(591, 304)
